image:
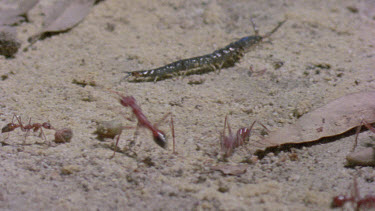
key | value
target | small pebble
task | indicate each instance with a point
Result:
(109, 129)
(63, 135)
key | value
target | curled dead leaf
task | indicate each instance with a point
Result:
(335, 118)
(13, 14)
(62, 16)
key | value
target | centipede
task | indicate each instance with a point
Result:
(222, 58)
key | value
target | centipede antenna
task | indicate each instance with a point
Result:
(275, 29)
(256, 30)
(128, 74)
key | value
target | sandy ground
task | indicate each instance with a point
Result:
(326, 49)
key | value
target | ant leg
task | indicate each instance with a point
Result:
(20, 122)
(116, 145)
(118, 139)
(27, 130)
(136, 132)
(13, 117)
(368, 126)
(173, 136)
(224, 139)
(42, 133)
(22, 127)
(222, 135)
(229, 129)
(356, 196)
(356, 136)
(251, 127)
(231, 142)
(264, 127)
(225, 124)
(162, 119)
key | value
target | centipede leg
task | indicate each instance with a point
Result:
(212, 67)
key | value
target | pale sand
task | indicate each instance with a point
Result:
(150, 34)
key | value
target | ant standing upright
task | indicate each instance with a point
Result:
(230, 142)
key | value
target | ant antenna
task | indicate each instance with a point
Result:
(275, 29)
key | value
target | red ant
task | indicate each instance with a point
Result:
(229, 143)
(35, 127)
(158, 135)
(358, 202)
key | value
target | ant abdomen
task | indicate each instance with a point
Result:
(160, 139)
(9, 127)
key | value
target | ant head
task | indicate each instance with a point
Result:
(160, 139)
(47, 125)
(9, 127)
(338, 201)
(126, 101)
(244, 133)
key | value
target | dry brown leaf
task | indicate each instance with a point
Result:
(62, 16)
(229, 169)
(12, 12)
(335, 118)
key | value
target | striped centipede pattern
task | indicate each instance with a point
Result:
(222, 58)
